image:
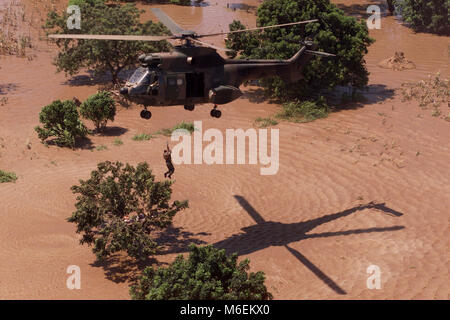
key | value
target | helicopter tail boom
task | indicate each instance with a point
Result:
(288, 70)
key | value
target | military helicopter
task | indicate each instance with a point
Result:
(194, 73)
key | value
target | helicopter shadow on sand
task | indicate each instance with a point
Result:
(265, 234)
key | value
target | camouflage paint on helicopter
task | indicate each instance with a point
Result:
(189, 76)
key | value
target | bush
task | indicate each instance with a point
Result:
(61, 120)
(207, 274)
(7, 176)
(265, 122)
(306, 111)
(189, 126)
(426, 15)
(119, 207)
(142, 137)
(99, 108)
(117, 142)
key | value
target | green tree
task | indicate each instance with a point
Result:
(334, 32)
(207, 274)
(244, 43)
(99, 108)
(181, 2)
(119, 207)
(61, 120)
(102, 55)
(426, 15)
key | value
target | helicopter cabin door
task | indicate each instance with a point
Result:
(195, 85)
(176, 87)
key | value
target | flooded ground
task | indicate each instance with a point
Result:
(363, 186)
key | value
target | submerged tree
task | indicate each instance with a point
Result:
(334, 33)
(101, 55)
(207, 274)
(119, 207)
(426, 15)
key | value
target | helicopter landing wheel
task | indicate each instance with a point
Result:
(215, 113)
(189, 107)
(145, 114)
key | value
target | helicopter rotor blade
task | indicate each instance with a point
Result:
(319, 53)
(255, 29)
(209, 45)
(167, 21)
(110, 37)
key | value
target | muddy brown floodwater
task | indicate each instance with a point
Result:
(365, 186)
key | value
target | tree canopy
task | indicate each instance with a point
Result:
(99, 108)
(102, 55)
(334, 33)
(426, 15)
(207, 274)
(60, 119)
(119, 207)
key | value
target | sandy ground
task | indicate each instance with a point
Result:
(365, 186)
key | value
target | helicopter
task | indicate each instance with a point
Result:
(194, 73)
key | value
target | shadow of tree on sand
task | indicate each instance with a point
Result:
(80, 143)
(258, 95)
(269, 233)
(112, 131)
(89, 79)
(371, 94)
(120, 268)
(175, 240)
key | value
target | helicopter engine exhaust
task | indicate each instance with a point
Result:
(224, 94)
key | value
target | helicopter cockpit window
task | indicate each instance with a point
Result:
(139, 81)
(138, 75)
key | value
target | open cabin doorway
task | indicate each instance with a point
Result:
(195, 85)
